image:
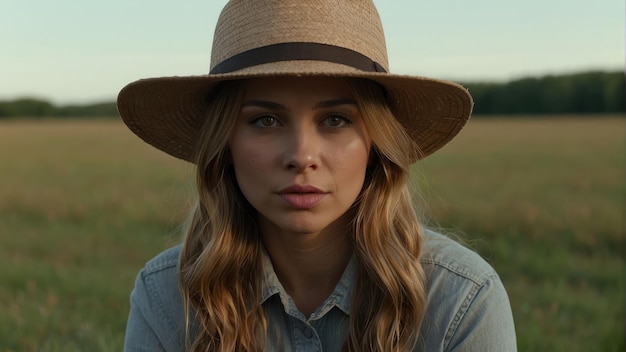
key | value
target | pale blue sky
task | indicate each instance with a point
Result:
(85, 51)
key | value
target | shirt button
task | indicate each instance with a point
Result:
(308, 333)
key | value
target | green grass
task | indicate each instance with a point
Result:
(83, 205)
(543, 201)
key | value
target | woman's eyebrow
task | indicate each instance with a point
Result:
(335, 102)
(264, 104)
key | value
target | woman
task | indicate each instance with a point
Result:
(304, 237)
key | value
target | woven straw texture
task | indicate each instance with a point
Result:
(167, 112)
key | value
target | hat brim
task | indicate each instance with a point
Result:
(168, 112)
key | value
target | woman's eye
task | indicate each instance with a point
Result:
(265, 121)
(337, 121)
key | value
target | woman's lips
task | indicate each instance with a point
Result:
(302, 197)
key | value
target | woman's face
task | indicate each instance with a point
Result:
(299, 149)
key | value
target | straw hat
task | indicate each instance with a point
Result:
(254, 38)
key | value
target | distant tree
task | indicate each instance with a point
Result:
(29, 107)
(484, 96)
(557, 95)
(614, 93)
(105, 109)
(26, 107)
(581, 93)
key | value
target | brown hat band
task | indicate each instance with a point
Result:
(297, 51)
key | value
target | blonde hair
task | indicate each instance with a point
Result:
(220, 265)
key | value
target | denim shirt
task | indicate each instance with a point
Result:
(467, 307)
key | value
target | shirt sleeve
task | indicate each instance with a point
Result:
(140, 334)
(487, 323)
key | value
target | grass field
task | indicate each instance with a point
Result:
(83, 205)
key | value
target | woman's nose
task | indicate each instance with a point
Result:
(302, 151)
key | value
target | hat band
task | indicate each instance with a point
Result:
(297, 51)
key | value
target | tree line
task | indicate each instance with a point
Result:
(33, 107)
(581, 93)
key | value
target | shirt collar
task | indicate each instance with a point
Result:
(340, 297)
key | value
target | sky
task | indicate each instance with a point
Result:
(84, 51)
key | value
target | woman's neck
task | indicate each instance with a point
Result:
(309, 265)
